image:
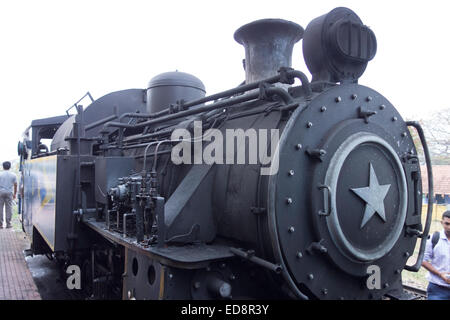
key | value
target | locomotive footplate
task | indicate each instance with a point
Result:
(341, 199)
(193, 256)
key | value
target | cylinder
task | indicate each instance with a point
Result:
(169, 88)
(217, 287)
(268, 46)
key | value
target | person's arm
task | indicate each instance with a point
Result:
(426, 263)
(443, 275)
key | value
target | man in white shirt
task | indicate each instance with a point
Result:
(8, 182)
(437, 261)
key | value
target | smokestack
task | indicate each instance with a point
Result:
(268, 46)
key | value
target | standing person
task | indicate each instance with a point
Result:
(437, 262)
(8, 181)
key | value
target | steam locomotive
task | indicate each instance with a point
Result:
(280, 188)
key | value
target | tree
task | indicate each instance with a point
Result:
(437, 134)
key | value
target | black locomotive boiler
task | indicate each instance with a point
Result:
(274, 189)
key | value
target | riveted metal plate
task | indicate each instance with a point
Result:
(383, 148)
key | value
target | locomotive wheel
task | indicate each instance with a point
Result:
(340, 202)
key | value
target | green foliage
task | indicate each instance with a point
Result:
(437, 134)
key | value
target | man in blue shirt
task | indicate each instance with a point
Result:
(437, 262)
(8, 182)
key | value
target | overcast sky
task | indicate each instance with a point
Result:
(53, 52)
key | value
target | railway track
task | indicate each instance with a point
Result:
(418, 293)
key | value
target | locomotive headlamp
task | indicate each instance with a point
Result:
(337, 46)
(21, 148)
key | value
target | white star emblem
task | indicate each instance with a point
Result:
(374, 196)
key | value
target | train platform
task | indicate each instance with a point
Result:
(16, 281)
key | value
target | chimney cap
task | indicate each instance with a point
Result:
(266, 27)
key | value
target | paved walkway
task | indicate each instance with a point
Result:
(16, 282)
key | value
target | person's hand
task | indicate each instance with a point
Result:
(14, 196)
(445, 276)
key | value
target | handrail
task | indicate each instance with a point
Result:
(424, 235)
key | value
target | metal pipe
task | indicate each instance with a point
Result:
(283, 94)
(261, 262)
(145, 158)
(222, 104)
(155, 160)
(289, 107)
(285, 74)
(135, 115)
(148, 135)
(231, 92)
(100, 122)
(125, 115)
(144, 115)
(161, 132)
(306, 85)
(133, 146)
(44, 154)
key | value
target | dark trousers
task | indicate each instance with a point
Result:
(436, 292)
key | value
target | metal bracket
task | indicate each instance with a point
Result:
(413, 232)
(365, 114)
(317, 154)
(409, 156)
(125, 216)
(317, 246)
